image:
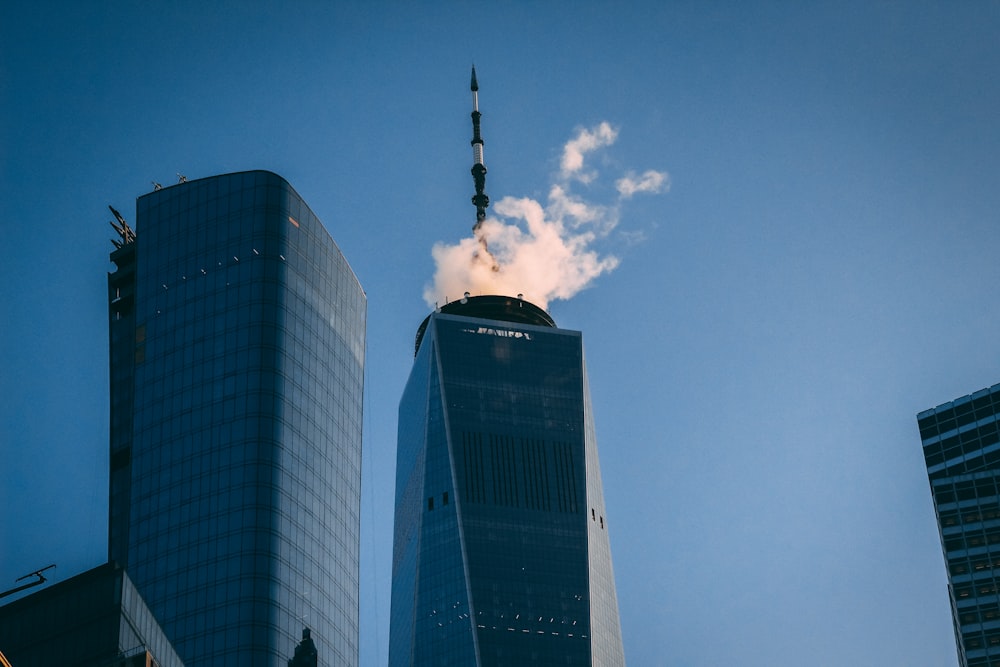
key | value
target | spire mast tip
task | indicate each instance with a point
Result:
(480, 200)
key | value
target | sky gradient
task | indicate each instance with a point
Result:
(820, 269)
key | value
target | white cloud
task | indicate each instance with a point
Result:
(527, 249)
(586, 141)
(544, 252)
(651, 181)
(574, 210)
(633, 237)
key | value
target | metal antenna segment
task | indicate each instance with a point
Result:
(480, 200)
(37, 573)
(126, 233)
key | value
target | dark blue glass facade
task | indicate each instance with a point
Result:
(501, 551)
(237, 370)
(961, 442)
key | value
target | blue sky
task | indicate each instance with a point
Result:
(823, 266)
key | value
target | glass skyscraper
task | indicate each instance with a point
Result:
(961, 441)
(501, 553)
(237, 351)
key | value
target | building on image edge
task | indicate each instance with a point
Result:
(961, 445)
(93, 619)
(237, 342)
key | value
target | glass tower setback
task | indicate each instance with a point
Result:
(961, 442)
(501, 553)
(237, 354)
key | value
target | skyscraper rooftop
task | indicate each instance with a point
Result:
(961, 444)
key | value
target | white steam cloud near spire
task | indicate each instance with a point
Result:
(541, 251)
(584, 142)
(649, 181)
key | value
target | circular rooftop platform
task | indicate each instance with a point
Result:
(491, 307)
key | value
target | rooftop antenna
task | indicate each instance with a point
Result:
(124, 231)
(37, 573)
(481, 201)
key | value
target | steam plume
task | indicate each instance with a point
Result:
(541, 251)
(585, 142)
(650, 181)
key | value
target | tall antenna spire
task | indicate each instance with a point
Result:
(481, 201)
